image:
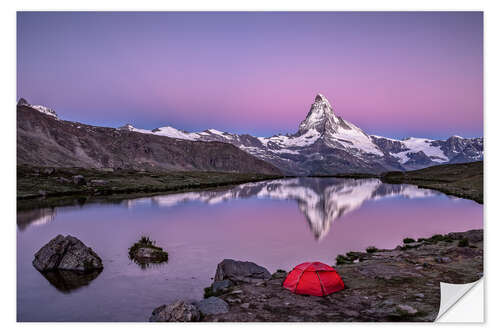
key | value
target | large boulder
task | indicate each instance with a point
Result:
(177, 311)
(66, 253)
(240, 271)
(212, 305)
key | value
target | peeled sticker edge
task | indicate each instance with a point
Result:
(451, 295)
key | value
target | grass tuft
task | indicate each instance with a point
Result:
(408, 240)
(160, 256)
(342, 260)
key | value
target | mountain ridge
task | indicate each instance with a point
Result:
(327, 144)
(46, 140)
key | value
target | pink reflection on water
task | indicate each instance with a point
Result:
(246, 223)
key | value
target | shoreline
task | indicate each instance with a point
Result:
(463, 180)
(400, 284)
(40, 187)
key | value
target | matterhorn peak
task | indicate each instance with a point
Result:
(321, 99)
(319, 115)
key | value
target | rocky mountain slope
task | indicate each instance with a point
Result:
(45, 140)
(327, 144)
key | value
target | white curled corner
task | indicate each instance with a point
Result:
(456, 306)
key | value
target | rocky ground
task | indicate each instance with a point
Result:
(44, 186)
(461, 180)
(402, 284)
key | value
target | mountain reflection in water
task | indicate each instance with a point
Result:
(321, 200)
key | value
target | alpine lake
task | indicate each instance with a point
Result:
(277, 224)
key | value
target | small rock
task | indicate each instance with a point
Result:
(260, 284)
(212, 305)
(98, 182)
(63, 180)
(79, 180)
(42, 192)
(221, 285)
(388, 302)
(406, 309)
(233, 300)
(443, 260)
(351, 313)
(66, 253)
(179, 311)
(420, 295)
(237, 291)
(245, 305)
(48, 171)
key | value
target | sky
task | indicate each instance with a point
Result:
(395, 74)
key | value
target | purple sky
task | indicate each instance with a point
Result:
(393, 74)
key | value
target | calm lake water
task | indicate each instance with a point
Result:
(276, 224)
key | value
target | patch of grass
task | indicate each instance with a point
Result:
(408, 240)
(33, 182)
(463, 242)
(439, 238)
(342, 260)
(371, 249)
(279, 273)
(352, 255)
(208, 292)
(146, 241)
(159, 256)
(461, 180)
(409, 247)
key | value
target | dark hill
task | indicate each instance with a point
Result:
(461, 180)
(44, 140)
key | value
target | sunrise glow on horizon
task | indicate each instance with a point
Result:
(394, 74)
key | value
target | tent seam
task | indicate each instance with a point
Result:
(321, 284)
(298, 280)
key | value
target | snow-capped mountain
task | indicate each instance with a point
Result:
(327, 144)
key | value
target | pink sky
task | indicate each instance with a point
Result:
(393, 74)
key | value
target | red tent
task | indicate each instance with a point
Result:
(313, 278)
